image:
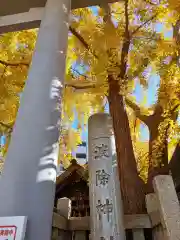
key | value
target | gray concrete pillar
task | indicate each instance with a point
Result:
(28, 181)
(106, 213)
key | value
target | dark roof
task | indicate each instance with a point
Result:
(74, 167)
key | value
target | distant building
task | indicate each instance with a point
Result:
(73, 184)
(81, 153)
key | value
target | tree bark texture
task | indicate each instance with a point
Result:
(158, 151)
(132, 187)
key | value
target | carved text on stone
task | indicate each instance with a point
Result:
(105, 209)
(102, 177)
(101, 151)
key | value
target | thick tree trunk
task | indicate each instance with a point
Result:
(132, 187)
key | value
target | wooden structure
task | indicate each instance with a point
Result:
(73, 184)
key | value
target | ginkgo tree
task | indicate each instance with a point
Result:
(112, 50)
(16, 51)
(15, 57)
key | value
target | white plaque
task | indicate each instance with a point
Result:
(12, 228)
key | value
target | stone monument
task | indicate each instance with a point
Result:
(106, 212)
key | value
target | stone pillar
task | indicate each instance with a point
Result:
(30, 169)
(168, 205)
(152, 205)
(106, 213)
(64, 207)
(119, 214)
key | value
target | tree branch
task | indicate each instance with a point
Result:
(80, 87)
(126, 44)
(137, 110)
(148, 20)
(4, 71)
(80, 74)
(15, 64)
(82, 40)
(148, 1)
(174, 108)
(6, 126)
(126, 20)
(174, 113)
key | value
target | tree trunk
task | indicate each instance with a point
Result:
(174, 166)
(158, 152)
(132, 187)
